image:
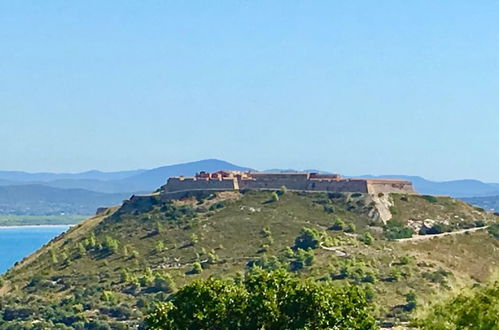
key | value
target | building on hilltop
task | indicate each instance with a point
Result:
(299, 181)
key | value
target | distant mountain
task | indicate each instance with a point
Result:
(43, 200)
(82, 193)
(18, 176)
(6, 182)
(112, 186)
(153, 179)
(117, 182)
(137, 181)
(456, 188)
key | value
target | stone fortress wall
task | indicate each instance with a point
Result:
(236, 180)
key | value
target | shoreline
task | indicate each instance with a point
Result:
(35, 226)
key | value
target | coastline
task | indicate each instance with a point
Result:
(35, 226)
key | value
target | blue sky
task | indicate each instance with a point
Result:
(354, 87)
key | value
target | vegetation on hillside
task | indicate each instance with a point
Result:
(263, 300)
(473, 308)
(112, 268)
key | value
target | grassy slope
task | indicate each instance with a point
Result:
(234, 232)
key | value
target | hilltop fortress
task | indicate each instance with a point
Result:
(177, 187)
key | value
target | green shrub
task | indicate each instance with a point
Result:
(301, 259)
(197, 268)
(410, 299)
(405, 260)
(160, 247)
(396, 230)
(471, 309)
(350, 228)
(494, 230)
(367, 238)
(437, 228)
(110, 244)
(266, 232)
(308, 239)
(194, 239)
(438, 276)
(263, 300)
(328, 209)
(164, 283)
(338, 225)
(429, 198)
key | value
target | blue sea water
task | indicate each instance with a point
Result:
(19, 242)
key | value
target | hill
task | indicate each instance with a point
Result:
(110, 268)
(82, 193)
(20, 176)
(116, 182)
(42, 200)
(149, 180)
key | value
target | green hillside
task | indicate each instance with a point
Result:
(110, 268)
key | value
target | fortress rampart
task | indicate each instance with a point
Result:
(235, 180)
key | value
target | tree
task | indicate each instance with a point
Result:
(53, 256)
(111, 245)
(411, 300)
(194, 239)
(263, 300)
(471, 309)
(338, 224)
(160, 246)
(159, 228)
(164, 282)
(302, 258)
(197, 268)
(81, 249)
(367, 238)
(308, 239)
(494, 230)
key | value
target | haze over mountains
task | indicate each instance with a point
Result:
(116, 182)
(53, 193)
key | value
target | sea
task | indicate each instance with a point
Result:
(19, 242)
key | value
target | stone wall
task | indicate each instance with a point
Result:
(294, 181)
(389, 186)
(346, 185)
(180, 184)
(178, 187)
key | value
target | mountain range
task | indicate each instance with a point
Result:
(42, 193)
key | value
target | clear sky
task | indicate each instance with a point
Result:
(356, 87)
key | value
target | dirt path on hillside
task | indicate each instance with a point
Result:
(427, 237)
(337, 249)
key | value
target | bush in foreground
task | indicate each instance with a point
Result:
(472, 309)
(263, 300)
